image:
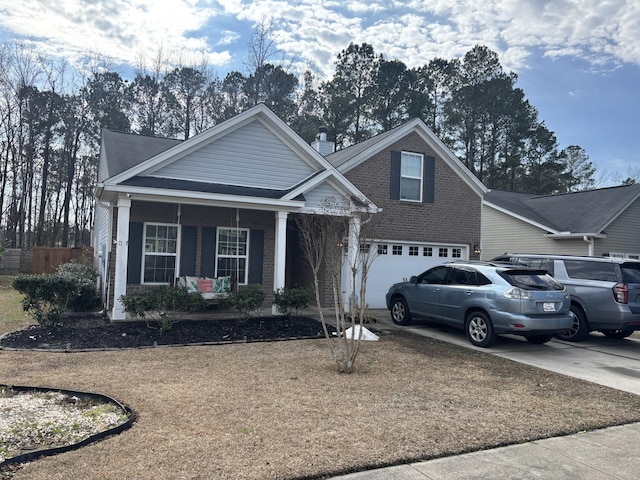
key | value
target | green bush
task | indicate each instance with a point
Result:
(46, 296)
(290, 301)
(164, 304)
(246, 301)
(85, 296)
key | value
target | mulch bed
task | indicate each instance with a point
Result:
(96, 332)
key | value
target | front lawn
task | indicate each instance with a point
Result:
(279, 410)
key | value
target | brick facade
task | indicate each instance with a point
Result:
(454, 217)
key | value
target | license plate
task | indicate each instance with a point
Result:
(549, 307)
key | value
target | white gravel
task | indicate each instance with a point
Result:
(34, 420)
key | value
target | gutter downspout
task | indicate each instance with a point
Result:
(590, 241)
(105, 284)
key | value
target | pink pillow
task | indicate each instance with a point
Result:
(205, 285)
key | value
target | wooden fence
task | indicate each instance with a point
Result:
(46, 259)
(15, 261)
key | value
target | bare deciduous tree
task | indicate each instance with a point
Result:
(324, 238)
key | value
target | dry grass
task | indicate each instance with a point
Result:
(12, 317)
(280, 411)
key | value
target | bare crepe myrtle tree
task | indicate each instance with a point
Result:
(324, 239)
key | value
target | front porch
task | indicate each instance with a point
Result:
(155, 242)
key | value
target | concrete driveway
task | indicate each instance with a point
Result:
(613, 363)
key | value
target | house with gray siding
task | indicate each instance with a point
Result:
(218, 204)
(597, 222)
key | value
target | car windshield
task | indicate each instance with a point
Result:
(531, 280)
(630, 272)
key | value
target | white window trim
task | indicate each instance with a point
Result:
(420, 178)
(244, 281)
(164, 254)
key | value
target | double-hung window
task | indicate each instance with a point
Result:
(232, 249)
(160, 252)
(411, 176)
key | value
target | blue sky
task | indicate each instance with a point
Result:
(578, 61)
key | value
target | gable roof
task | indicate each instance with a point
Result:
(350, 157)
(589, 212)
(221, 163)
(124, 150)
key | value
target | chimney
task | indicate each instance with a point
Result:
(321, 144)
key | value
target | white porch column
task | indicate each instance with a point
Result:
(122, 257)
(280, 254)
(352, 256)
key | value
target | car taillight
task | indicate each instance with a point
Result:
(517, 293)
(621, 293)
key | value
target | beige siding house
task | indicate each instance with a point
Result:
(596, 222)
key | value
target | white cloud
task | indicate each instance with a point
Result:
(314, 31)
(228, 37)
(119, 30)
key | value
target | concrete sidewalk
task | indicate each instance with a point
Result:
(610, 453)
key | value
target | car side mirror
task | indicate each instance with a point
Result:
(413, 279)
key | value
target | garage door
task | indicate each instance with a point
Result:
(397, 261)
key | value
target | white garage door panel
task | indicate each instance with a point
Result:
(388, 268)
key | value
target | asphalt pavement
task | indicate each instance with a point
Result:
(609, 453)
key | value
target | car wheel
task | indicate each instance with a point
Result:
(618, 334)
(400, 312)
(479, 330)
(580, 328)
(539, 339)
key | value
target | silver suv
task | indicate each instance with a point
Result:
(485, 300)
(605, 291)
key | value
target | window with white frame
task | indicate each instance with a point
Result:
(232, 253)
(427, 251)
(456, 252)
(411, 177)
(413, 251)
(396, 250)
(160, 252)
(443, 252)
(382, 249)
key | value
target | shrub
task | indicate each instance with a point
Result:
(164, 304)
(246, 301)
(291, 300)
(46, 296)
(83, 274)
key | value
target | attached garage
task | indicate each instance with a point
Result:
(395, 261)
(429, 203)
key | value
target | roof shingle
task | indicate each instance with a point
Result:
(590, 211)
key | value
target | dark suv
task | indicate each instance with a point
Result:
(605, 291)
(485, 300)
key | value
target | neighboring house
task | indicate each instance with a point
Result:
(431, 203)
(598, 222)
(217, 204)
